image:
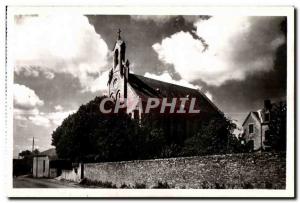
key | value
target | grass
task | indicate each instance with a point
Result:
(101, 184)
(165, 185)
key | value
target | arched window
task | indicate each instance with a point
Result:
(118, 95)
(115, 83)
(116, 58)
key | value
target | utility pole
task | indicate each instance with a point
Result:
(32, 144)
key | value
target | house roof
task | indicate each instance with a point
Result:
(147, 87)
(257, 115)
(49, 152)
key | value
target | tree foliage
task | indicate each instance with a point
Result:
(91, 136)
(26, 154)
(213, 137)
(277, 127)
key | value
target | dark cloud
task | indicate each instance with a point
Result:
(238, 98)
(63, 89)
(140, 35)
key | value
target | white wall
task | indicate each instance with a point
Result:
(40, 167)
(72, 175)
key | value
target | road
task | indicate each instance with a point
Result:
(26, 182)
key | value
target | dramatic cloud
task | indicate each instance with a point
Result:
(58, 108)
(237, 46)
(26, 108)
(49, 75)
(98, 83)
(52, 119)
(56, 118)
(39, 120)
(59, 44)
(166, 77)
(25, 98)
(161, 19)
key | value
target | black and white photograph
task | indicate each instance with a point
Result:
(125, 102)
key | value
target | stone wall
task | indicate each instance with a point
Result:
(72, 175)
(259, 170)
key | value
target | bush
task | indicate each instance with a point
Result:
(124, 186)
(247, 186)
(101, 184)
(161, 185)
(140, 186)
(213, 137)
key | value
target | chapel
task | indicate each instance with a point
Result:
(122, 84)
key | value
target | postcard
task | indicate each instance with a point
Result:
(150, 102)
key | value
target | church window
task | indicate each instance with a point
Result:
(116, 57)
(118, 95)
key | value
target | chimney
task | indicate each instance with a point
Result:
(267, 104)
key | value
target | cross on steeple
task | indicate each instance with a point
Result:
(119, 34)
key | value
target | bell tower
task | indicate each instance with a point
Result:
(118, 75)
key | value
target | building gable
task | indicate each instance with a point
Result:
(252, 115)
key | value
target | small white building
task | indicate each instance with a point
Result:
(41, 164)
(256, 127)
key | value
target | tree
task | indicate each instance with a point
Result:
(213, 137)
(89, 135)
(75, 138)
(25, 154)
(277, 127)
(28, 154)
(235, 145)
(36, 152)
(24, 165)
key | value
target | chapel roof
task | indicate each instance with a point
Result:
(146, 87)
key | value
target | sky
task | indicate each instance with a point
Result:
(62, 61)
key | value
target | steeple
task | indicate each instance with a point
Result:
(118, 75)
(119, 34)
(119, 52)
(32, 144)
